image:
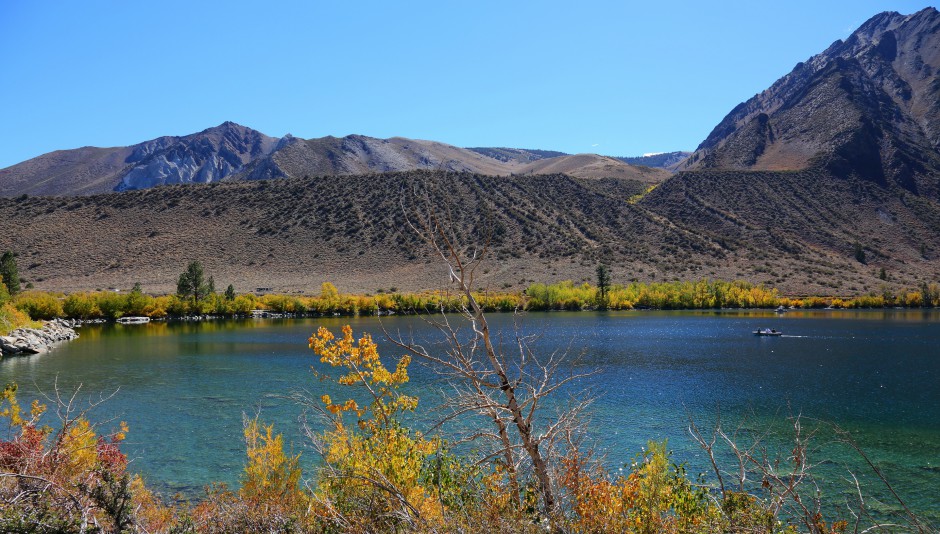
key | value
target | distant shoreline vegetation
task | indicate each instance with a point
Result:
(702, 294)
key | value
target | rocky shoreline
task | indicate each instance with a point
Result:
(24, 341)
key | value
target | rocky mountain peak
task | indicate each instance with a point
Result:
(207, 156)
(868, 106)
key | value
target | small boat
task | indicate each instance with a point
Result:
(767, 332)
(781, 309)
(133, 320)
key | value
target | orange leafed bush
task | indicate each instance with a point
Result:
(67, 480)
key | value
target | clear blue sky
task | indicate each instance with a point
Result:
(616, 78)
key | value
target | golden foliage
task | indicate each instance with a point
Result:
(379, 460)
(12, 318)
(655, 497)
(38, 305)
(702, 294)
(270, 475)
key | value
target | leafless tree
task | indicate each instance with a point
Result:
(505, 382)
(789, 480)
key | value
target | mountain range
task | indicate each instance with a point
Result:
(233, 152)
(828, 183)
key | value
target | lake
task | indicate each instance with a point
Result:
(183, 387)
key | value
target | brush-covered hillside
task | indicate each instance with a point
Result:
(293, 234)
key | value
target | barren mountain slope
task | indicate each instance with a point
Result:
(865, 107)
(233, 152)
(358, 154)
(293, 234)
(594, 166)
(82, 171)
(773, 221)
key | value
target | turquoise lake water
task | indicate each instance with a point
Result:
(183, 387)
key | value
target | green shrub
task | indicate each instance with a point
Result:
(136, 303)
(176, 306)
(80, 306)
(243, 304)
(112, 305)
(38, 305)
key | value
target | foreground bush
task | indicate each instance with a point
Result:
(11, 318)
(68, 480)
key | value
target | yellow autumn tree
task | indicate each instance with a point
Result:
(374, 471)
(328, 291)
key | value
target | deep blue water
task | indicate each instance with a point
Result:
(183, 388)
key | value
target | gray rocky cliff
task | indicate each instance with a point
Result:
(208, 156)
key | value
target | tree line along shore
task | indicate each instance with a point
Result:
(26, 307)
(196, 295)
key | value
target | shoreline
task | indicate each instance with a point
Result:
(27, 341)
(267, 314)
(562, 296)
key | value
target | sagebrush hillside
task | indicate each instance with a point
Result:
(291, 235)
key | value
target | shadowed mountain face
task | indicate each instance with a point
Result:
(866, 107)
(665, 160)
(517, 155)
